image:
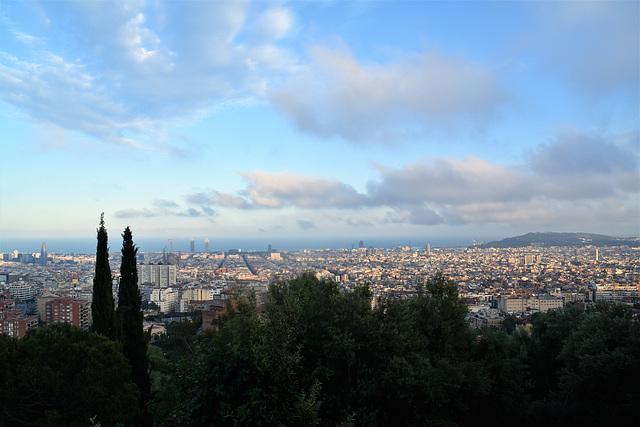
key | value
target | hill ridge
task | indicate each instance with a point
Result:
(551, 239)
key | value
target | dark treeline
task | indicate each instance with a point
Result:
(315, 356)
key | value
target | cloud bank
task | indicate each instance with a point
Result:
(573, 175)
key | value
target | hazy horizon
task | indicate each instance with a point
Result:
(151, 244)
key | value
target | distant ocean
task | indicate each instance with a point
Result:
(154, 244)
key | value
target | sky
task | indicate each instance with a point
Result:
(318, 119)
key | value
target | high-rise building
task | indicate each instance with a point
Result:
(206, 245)
(43, 254)
(597, 255)
(361, 244)
(529, 259)
(193, 246)
(162, 275)
(428, 249)
(68, 310)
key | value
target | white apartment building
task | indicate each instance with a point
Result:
(168, 299)
(162, 275)
(21, 291)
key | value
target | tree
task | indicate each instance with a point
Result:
(62, 375)
(242, 375)
(134, 341)
(102, 306)
(601, 372)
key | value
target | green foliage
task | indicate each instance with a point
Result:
(240, 377)
(61, 375)
(102, 305)
(318, 356)
(504, 358)
(601, 368)
(134, 341)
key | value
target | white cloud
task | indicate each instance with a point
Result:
(273, 24)
(576, 177)
(134, 213)
(122, 72)
(338, 96)
(276, 190)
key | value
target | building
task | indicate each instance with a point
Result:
(200, 294)
(519, 305)
(483, 318)
(43, 254)
(612, 292)
(22, 291)
(12, 322)
(193, 246)
(545, 303)
(206, 245)
(41, 303)
(68, 310)
(167, 299)
(512, 305)
(160, 275)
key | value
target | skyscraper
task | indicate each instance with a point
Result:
(193, 246)
(206, 245)
(43, 254)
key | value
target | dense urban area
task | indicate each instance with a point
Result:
(43, 288)
(356, 337)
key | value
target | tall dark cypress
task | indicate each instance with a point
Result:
(102, 306)
(134, 342)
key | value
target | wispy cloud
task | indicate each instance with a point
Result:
(363, 102)
(134, 213)
(139, 66)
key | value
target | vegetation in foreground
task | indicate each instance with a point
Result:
(315, 356)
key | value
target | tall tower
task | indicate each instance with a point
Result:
(43, 254)
(193, 246)
(206, 245)
(428, 249)
(597, 255)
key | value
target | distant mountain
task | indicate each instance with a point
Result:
(561, 239)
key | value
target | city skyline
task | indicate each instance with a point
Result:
(290, 120)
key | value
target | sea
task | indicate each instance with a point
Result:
(155, 244)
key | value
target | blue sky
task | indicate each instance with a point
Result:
(419, 119)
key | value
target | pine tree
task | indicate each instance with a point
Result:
(134, 342)
(102, 306)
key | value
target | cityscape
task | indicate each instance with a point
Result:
(319, 213)
(494, 282)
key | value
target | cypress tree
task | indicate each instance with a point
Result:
(102, 306)
(134, 342)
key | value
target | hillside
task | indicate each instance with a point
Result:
(561, 239)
